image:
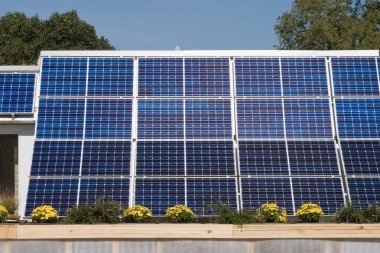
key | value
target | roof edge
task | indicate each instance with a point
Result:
(19, 69)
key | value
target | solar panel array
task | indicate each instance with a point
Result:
(244, 131)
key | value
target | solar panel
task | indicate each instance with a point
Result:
(160, 158)
(110, 77)
(16, 93)
(354, 76)
(60, 118)
(208, 119)
(260, 118)
(304, 76)
(358, 118)
(109, 119)
(364, 191)
(63, 76)
(207, 77)
(160, 77)
(307, 118)
(56, 158)
(257, 77)
(106, 158)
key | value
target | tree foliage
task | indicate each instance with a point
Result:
(329, 25)
(22, 38)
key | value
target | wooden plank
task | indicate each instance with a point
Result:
(8, 232)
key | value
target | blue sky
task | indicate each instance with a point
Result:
(162, 24)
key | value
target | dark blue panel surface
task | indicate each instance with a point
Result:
(213, 158)
(326, 192)
(260, 119)
(160, 77)
(263, 158)
(313, 158)
(160, 158)
(16, 92)
(58, 193)
(355, 76)
(358, 118)
(208, 119)
(258, 191)
(60, 118)
(364, 191)
(304, 76)
(56, 158)
(159, 193)
(63, 76)
(106, 158)
(257, 77)
(207, 77)
(109, 119)
(308, 118)
(160, 119)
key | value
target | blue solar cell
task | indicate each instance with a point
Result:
(56, 158)
(260, 118)
(354, 76)
(202, 192)
(307, 118)
(58, 193)
(110, 77)
(313, 158)
(160, 158)
(304, 76)
(160, 77)
(208, 119)
(60, 118)
(160, 119)
(364, 191)
(263, 158)
(159, 193)
(106, 158)
(326, 192)
(106, 189)
(358, 118)
(257, 77)
(63, 76)
(207, 77)
(213, 158)
(258, 191)
(109, 119)
(16, 92)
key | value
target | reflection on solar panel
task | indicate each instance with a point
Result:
(16, 93)
(364, 191)
(354, 76)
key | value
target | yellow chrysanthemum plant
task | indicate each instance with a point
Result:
(44, 214)
(309, 212)
(3, 213)
(273, 213)
(137, 214)
(180, 214)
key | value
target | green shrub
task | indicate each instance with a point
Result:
(349, 214)
(372, 213)
(180, 214)
(137, 214)
(310, 212)
(9, 202)
(3, 213)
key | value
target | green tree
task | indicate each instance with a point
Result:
(22, 38)
(330, 25)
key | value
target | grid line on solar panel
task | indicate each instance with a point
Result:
(263, 158)
(110, 77)
(307, 118)
(355, 76)
(304, 77)
(60, 118)
(63, 76)
(258, 191)
(109, 119)
(16, 93)
(260, 118)
(257, 77)
(207, 77)
(326, 192)
(210, 158)
(208, 119)
(364, 191)
(358, 118)
(160, 119)
(160, 77)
